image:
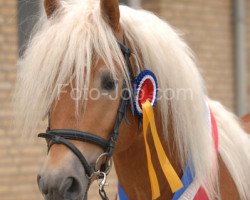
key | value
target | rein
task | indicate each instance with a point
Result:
(62, 136)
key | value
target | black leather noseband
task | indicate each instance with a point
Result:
(63, 136)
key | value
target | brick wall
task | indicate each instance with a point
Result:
(19, 158)
(207, 27)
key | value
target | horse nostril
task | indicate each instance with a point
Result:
(42, 186)
(71, 188)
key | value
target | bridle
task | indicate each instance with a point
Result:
(62, 136)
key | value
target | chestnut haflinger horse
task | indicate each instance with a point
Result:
(93, 67)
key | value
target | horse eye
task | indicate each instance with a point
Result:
(108, 83)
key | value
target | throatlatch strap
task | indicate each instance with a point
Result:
(169, 172)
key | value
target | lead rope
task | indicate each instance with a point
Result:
(102, 184)
(103, 194)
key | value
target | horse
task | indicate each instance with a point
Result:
(78, 72)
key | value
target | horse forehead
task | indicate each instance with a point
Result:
(100, 65)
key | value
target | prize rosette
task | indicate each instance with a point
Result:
(146, 89)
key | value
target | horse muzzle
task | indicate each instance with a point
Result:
(64, 184)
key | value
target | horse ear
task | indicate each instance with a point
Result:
(51, 6)
(111, 12)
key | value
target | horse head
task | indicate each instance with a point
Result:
(73, 160)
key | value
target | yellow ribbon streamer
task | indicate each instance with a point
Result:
(169, 172)
(152, 174)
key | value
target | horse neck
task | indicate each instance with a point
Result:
(131, 164)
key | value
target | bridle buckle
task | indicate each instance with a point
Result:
(107, 164)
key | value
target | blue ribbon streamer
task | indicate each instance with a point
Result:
(121, 193)
(186, 180)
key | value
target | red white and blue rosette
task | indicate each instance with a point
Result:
(146, 88)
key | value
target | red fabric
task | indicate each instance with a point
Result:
(146, 92)
(214, 131)
(201, 194)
